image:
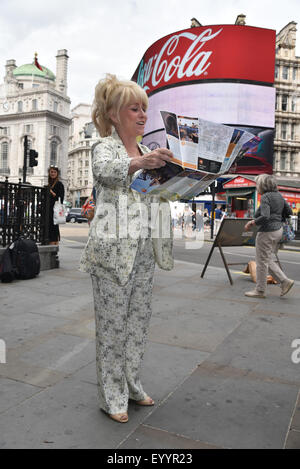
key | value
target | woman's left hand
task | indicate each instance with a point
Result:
(249, 225)
(52, 193)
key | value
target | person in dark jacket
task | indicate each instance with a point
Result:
(268, 217)
(57, 191)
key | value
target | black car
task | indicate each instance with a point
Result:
(74, 215)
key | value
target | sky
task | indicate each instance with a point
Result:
(111, 36)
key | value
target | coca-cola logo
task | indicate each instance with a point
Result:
(173, 61)
(218, 52)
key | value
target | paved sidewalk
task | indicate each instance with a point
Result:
(218, 364)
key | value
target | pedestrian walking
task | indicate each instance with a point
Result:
(57, 191)
(122, 267)
(218, 219)
(268, 217)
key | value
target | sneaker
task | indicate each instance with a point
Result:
(286, 286)
(255, 294)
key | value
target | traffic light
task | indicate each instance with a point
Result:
(33, 155)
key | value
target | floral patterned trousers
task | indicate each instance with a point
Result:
(122, 316)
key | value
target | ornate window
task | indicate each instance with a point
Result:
(283, 161)
(4, 157)
(293, 126)
(283, 130)
(285, 73)
(284, 102)
(293, 161)
(53, 153)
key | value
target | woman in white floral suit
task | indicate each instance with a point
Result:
(124, 243)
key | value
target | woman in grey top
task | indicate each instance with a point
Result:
(268, 217)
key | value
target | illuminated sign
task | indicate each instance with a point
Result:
(221, 73)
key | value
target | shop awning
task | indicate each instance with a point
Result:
(239, 192)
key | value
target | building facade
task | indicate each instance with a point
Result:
(287, 112)
(82, 137)
(34, 103)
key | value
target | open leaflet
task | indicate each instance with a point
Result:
(202, 150)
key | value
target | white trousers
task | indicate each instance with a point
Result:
(267, 244)
(122, 315)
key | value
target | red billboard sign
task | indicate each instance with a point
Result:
(219, 52)
(220, 73)
(239, 182)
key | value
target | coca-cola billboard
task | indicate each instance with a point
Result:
(220, 52)
(221, 73)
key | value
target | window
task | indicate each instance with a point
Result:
(4, 156)
(283, 130)
(20, 106)
(55, 106)
(276, 102)
(294, 103)
(54, 130)
(276, 71)
(4, 130)
(28, 129)
(284, 102)
(87, 163)
(293, 162)
(53, 153)
(285, 73)
(294, 73)
(283, 161)
(34, 104)
(35, 85)
(293, 131)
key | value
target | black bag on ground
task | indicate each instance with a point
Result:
(26, 258)
(7, 269)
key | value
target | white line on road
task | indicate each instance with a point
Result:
(244, 255)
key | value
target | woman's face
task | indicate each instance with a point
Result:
(53, 173)
(133, 118)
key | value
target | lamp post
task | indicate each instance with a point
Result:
(212, 220)
(25, 158)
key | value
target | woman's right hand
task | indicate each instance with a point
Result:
(156, 158)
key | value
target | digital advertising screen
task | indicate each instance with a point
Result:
(221, 73)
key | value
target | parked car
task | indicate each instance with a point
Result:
(74, 216)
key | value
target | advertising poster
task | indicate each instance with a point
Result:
(220, 73)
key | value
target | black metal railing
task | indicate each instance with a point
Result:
(24, 211)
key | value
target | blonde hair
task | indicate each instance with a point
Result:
(266, 183)
(112, 94)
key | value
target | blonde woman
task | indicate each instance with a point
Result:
(268, 217)
(120, 253)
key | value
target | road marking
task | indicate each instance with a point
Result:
(243, 255)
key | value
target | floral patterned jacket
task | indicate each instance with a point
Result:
(120, 215)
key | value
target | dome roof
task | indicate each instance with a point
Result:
(31, 69)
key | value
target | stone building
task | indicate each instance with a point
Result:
(34, 103)
(287, 113)
(82, 136)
